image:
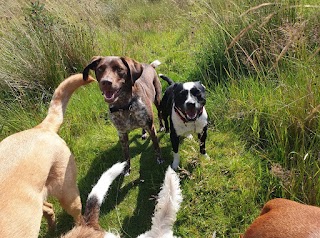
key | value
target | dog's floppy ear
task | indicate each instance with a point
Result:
(92, 65)
(134, 68)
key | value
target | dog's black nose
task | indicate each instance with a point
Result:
(106, 82)
(190, 104)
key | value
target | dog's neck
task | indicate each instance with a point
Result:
(123, 106)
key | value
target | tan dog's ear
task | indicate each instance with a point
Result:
(92, 65)
(134, 68)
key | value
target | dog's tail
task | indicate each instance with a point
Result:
(60, 100)
(167, 79)
(168, 204)
(155, 63)
(98, 193)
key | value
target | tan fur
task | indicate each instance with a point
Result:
(36, 163)
(282, 218)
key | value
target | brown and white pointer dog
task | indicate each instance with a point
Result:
(37, 163)
(130, 88)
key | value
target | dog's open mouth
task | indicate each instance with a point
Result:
(110, 95)
(191, 114)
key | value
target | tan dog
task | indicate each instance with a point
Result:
(36, 163)
(282, 218)
(129, 88)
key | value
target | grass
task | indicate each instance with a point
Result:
(131, 199)
(259, 62)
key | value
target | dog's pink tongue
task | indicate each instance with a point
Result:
(191, 114)
(108, 95)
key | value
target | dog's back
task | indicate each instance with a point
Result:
(282, 218)
(30, 161)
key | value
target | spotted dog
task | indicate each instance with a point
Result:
(130, 88)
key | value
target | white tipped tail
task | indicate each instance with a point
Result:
(168, 204)
(98, 193)
(101, 188)
(155, 63)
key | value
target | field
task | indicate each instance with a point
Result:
(259, 62)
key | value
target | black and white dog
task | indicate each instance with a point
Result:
(184, 104)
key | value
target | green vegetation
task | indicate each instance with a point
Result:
(258, 60)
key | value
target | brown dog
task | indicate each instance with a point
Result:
(282, 218)
(129, 88)
(36, 163)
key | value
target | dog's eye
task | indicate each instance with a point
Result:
(195, 92)
(183, 93)
(99, 70)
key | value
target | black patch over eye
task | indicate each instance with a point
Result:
(182, 94)
(195, 92)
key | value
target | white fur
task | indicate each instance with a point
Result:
(102, 186)
(168, 204)
(110, 235)
(183, 129)
(188, 86)
(155, 63)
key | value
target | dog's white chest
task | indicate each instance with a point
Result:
(186, 128)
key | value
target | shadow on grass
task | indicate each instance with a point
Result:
(149, 181)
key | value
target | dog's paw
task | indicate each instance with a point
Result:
(206, 156)
(175, 166)
(162, 129)
(190, 137)
(126, 171)
(160, 160)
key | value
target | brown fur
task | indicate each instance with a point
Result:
(129, 88)
(36, 163)
(282, 218)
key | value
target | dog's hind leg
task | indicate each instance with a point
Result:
(62, 184)
(48, 213)
(71, 203)
(153, 134)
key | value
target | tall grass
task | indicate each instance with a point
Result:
(259, 62)
(266, 56)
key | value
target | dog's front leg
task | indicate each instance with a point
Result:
(202, 137)
(124, 140)
(175, 147)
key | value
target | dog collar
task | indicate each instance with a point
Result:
(127, 107)
(183, 117)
